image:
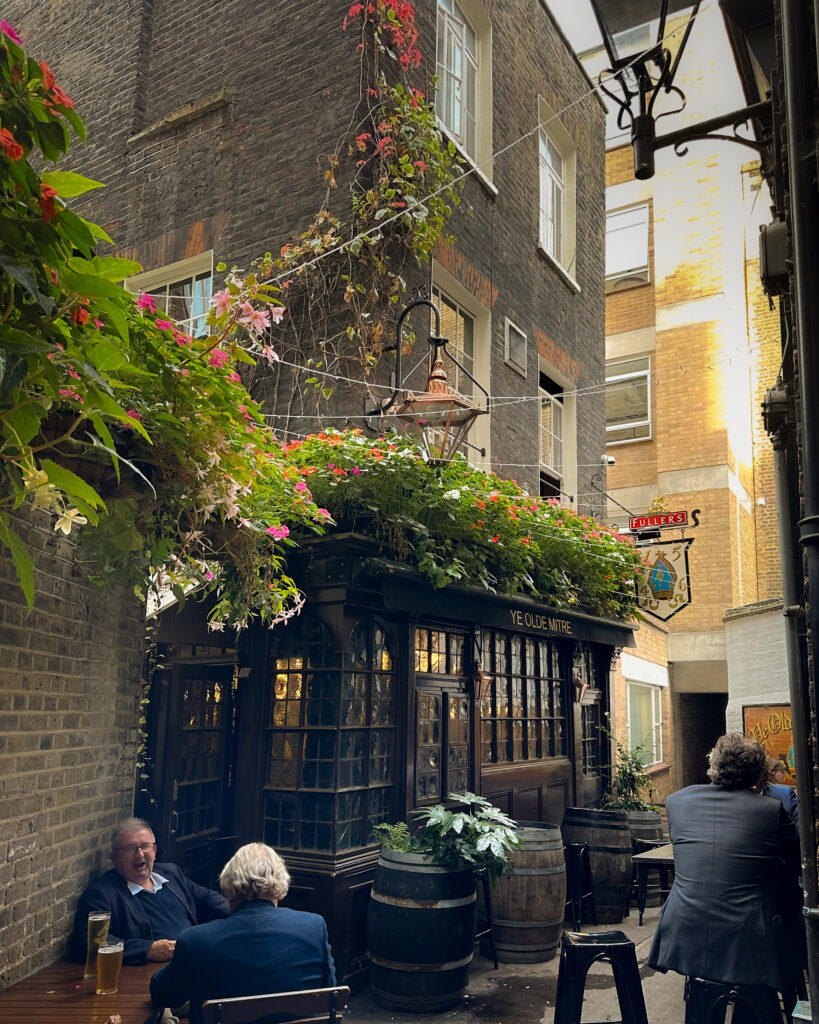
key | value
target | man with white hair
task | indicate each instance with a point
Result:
(150, 904)
(260, 949)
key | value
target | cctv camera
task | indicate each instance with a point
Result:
(607, 460)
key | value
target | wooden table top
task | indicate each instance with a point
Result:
(57, 995)
(662, 855)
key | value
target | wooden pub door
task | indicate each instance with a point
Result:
(195, 768)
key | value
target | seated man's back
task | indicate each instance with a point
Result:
(261, 948)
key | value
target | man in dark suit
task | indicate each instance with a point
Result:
(736, 855)
(261, 948)
(150, 904)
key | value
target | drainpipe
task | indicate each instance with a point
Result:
(804, 221)
(793, 657)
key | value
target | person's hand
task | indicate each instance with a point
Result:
(161, 950)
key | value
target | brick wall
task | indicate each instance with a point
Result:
(244, 174)
(69, 693)
(755, 641)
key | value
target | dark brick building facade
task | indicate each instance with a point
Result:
(212, 128)
(213, 135)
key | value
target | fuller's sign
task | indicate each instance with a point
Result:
(658, 520)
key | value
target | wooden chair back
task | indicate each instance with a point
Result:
(310, 1006)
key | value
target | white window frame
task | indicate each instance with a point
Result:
(444, 283)
(627, 257)
(556, 466)
(154, 282)
(653, 745)
(622, 380)
(566, 480)
(455, 20)
(560, 188)
(514, 335)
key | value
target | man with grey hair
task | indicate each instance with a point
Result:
(150, 904)
(260, 949)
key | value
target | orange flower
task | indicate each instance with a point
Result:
(10, 146)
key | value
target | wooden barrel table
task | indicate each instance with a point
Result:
(607, 835)
(528, 906)
(420, 933)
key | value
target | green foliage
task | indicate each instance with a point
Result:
(455, 523)
(111, 418)
(631, 787)
(393, 837)
(479, 836)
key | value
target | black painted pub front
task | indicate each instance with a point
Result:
(382, 696)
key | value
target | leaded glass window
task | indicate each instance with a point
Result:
(523, 717)
(330, 761)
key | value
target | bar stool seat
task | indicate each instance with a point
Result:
(578, 882)
(706, 1002)
(579, 950)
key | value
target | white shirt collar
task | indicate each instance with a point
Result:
(158, 882)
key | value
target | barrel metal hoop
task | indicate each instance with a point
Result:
(610, 849)
(559, 870)
(501, 923)
(397, 965)
(397, 901)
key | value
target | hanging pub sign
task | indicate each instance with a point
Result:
(662, 520)
(665, 587)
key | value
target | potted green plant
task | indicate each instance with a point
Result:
(421, 918)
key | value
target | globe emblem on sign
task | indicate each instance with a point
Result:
(662, 579)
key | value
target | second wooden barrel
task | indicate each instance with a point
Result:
(607, 835)
(420, 933)
(648, 825)
(528, 906)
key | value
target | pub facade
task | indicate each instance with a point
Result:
(384, 695)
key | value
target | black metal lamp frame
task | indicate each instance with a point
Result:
(653, 71)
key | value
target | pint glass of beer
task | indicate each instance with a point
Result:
(98, 924)
(109, 962)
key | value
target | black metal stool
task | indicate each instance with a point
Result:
(578, 882)
(579, 950)
(706, 1002)
(482, 875)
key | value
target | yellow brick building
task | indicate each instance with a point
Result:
(692, 342)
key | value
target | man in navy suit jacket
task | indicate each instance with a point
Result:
(150, 904)
(260, 949)
(734, 911)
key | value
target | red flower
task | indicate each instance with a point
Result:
(80, 315)
(9, 145)
(48, 211)
(496, 539)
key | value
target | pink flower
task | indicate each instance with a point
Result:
(68, 393)
(269, 353)
(7, 30)
(323, 512)
(277, 532)
(222, 301)
(258, 320)
(277, 314)
(99, 323)
(182, 339)
(133, 414)
(301, 486)
(218, 358)
(355, 471)
(164, 325)
(146, 301)
(234, 377)
(209, 576)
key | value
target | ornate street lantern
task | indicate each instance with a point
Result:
(637, 77)
(440, 418)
